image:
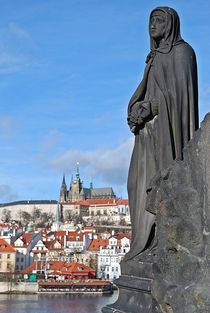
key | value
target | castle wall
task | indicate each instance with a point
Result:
(17, 207)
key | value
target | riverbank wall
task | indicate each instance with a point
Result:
(18, 287)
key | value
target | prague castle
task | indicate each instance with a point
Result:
(77, 192)
(90, 203)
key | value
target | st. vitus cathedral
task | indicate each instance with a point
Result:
(77, 192)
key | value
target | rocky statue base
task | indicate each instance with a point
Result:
(177, 279)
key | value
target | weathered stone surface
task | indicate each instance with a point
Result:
(134, 296)
(180, 199)
(174, 277)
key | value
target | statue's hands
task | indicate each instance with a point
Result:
(134, 119)
(145, 111)
(142, 112)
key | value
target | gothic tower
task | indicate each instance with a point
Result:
(76, 189)
(63, 191)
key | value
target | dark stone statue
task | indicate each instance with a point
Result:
(167, 269)
(163, 115)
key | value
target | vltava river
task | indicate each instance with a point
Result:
(54, 303)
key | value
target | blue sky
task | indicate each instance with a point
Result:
(67, 71)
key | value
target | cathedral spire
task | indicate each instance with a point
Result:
(91, 184)
(64, 180)
(77, 174)
(58, 217)
(63, 190)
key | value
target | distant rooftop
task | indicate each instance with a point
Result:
(97, 192)
(29, 202)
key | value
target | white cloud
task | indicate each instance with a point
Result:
(51, 139)
(49, 142)
(7, 194)
(110, 166)
(19, 32)
(11, 62)
(7, 126)
(13, 53)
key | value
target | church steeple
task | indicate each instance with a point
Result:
(64, 181)
(91, 184)
(63, 190)
(77, 177)
(58, 217)
(76, 191)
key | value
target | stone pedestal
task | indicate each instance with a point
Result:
(134, 289)
(134, 296)
(175, 278)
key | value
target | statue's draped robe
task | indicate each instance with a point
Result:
(170, 78)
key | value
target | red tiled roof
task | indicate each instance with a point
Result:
(26, 238)
(122, 201)
(88, 202)
(39, 251)
(60, 233)
(59, 267)
(111, 201)
(5, 246)
(97, 243)
(8, 226)
(50, 244)
(89, 228)
(104, 201)
(122, 235)
(76, 237)
(71, 236)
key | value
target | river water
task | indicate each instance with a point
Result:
(54, 303)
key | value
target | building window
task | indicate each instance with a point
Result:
(22, 259)
(112, 269)
(8, 256)
(0, 255)
(17, 259)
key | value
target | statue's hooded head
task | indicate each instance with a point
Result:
(169, 30)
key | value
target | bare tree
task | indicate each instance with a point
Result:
(122, 221)
(36, 214)
(25, 217)
(68, 215)
(6, 215)
(94, 261)
(45, 219)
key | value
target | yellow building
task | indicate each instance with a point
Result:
(7, 257)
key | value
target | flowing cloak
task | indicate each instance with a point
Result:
(170, 78)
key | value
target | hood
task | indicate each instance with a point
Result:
(172, 34)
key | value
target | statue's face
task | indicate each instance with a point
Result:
(157, 25)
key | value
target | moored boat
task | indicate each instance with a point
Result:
(96, 286)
